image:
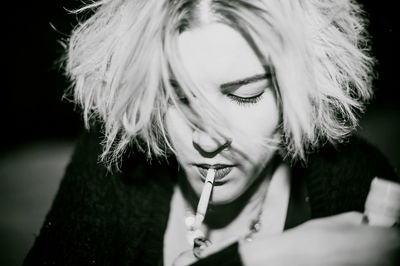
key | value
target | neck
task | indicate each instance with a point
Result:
(220, 215)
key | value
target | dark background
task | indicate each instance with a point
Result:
(39, 128)
(32, 81)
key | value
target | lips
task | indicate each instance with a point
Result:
(221, 170)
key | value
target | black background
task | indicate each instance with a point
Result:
(32, 81)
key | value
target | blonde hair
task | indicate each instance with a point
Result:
(121, 61)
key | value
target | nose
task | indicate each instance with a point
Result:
(209, 146)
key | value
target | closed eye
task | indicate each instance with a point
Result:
(245, 100)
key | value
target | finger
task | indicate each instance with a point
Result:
(185, 258)
(352, 217)
(214, 248)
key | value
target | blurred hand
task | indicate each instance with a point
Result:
(335, 240)
(185, 258)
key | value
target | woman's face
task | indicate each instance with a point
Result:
(234, 82)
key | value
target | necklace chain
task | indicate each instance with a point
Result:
(255, 225)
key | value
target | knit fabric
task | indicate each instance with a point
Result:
(119, 218)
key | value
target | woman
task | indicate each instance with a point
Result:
(265, 93)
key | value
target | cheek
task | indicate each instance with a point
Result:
(255, 128)
(257, 122)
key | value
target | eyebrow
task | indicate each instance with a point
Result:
(231, 86)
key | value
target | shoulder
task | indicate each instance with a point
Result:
(97, 213)
(338, 176)
(128, 192)
(354, 158)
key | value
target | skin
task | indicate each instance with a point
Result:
(214, 56)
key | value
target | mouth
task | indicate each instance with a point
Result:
(221, 170)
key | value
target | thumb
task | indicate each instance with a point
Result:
(185, 258)
(353, 218)
(214, 248)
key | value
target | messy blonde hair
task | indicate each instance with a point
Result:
(121, 61)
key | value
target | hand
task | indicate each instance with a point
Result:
(336, 240)
(187, 257)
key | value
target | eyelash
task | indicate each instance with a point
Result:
(243, 101)
(184, 100)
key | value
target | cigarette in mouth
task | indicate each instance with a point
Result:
(204, 198)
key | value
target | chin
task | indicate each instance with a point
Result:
(226, 193)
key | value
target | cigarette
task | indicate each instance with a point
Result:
(204, 198)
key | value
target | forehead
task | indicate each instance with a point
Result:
(216, 53)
